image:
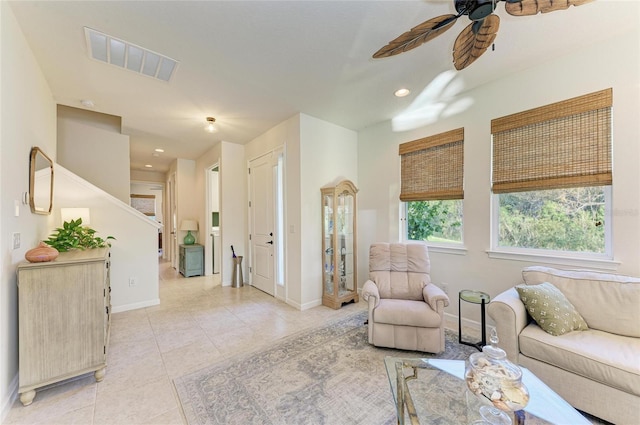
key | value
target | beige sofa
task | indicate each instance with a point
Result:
(595, 370)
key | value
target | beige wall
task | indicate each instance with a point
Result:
(230, 157)
(27, 118)
(328, 155)
(317, 154)
(96, 151)
(613, 63)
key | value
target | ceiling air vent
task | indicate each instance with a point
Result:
(108, 49)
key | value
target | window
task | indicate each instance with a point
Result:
(552, 176)
(434, 221)
(432, 187)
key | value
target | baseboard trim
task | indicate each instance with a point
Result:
(12, 394)
(135, 306)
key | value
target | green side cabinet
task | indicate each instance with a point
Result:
(191, 260)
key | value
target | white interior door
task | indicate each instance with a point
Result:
(261, 210)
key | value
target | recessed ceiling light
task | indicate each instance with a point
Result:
(402, 92)
(148, 166)
(159, 150)
(155, 154)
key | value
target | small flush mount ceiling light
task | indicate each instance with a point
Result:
(148, 166)
(211, 127)
(160, 150)
(402, 92)
(87, 103)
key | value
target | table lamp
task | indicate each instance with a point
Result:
(188, 226)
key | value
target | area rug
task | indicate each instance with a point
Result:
(327, 375)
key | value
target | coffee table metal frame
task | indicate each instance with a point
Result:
(545, 403)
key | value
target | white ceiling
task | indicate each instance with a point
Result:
(253, 64)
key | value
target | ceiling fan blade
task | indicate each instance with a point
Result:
(422, 33)
(474, 40)
(532, 7)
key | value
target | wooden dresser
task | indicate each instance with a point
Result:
(64, 319)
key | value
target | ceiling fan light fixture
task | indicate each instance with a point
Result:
(211, 127)
(402, 92)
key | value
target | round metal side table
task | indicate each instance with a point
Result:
(474, 297)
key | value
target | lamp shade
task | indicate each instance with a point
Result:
(187, 225)
(68, 214)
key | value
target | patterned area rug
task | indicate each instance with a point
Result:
(329, 375)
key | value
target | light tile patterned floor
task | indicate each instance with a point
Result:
(197, 323)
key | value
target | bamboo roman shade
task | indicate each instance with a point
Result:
(432, 167)
(562, 145)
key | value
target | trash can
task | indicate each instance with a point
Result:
(236, 280)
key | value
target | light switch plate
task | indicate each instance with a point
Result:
(16, 240)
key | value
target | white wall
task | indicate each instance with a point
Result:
(613, 63)
(317, 154)
(204, 163)
(26, 100)
(98, 155)
(134, 253)
(233, 203)
(328, 155)
(286, 135)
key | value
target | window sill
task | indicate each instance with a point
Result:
(574, 261)
(448, 249)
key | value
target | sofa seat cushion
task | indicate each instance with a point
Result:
(601, 356)
(406, 313)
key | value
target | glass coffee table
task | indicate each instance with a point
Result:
(433, 391)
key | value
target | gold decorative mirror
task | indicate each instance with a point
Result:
(40, 182)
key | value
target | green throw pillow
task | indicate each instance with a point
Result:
(551, 310)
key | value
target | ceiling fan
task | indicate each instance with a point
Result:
(474, 40)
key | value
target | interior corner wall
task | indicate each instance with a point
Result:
(203, 164)
(610, 63)
(286, 135)
(97, 155)
(233, 203)
(26, 99)
(186, 198)
(328, 155)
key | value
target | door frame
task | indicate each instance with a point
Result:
(279, 247)
(208, 245)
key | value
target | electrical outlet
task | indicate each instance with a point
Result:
(133, 281)
(16, 240)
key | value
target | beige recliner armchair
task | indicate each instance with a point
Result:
(406, 310)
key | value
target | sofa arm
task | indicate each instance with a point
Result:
(371, 295)
(510, 317)
(435, 297)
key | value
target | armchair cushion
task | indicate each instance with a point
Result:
(550, 309)
(400, 270)
(406, 313)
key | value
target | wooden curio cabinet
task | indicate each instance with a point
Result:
(339, 275)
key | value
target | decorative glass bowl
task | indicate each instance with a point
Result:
(492, 377)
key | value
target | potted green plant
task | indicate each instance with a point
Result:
(73, 235)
